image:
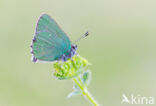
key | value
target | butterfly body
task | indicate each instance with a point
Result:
(71, 53)
(50, 43)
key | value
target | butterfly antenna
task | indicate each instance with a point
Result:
(83, 36)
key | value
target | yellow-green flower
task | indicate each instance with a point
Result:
(71, 68)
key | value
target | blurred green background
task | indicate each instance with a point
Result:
(121, 48)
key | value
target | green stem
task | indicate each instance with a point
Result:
(85, 91)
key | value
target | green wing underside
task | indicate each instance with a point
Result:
(51, 42)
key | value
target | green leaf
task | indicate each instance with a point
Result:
(86, 77)
(74, 93)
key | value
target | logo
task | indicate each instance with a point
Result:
(138, 99)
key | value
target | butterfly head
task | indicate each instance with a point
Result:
(72, 52)
(74, 47)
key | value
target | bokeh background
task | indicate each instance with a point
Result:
(121, 48)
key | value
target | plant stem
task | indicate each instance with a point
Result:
(85, 91)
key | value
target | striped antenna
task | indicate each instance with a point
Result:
(83, 36)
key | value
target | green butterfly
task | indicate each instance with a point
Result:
(50, 43)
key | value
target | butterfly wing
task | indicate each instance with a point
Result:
(49, 42)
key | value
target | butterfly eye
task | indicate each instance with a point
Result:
(74, 47)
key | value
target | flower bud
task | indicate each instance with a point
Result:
(70, 68)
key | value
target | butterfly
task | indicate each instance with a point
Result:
(50, 43)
